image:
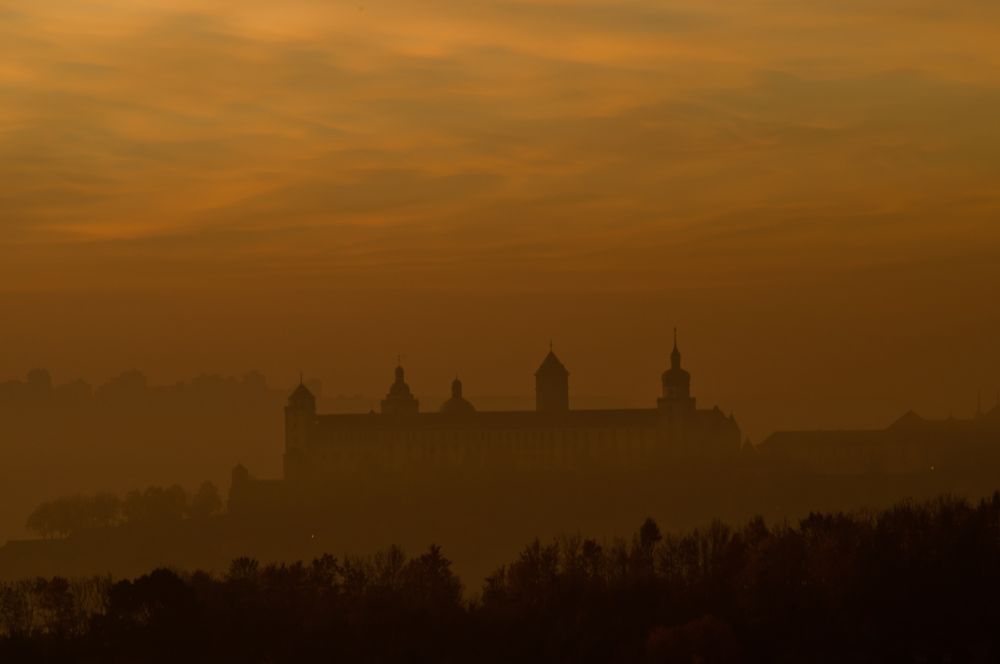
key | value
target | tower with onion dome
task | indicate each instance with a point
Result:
(676, 399)
(399, 400)
(457, 404)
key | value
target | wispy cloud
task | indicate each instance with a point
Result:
(484, 127)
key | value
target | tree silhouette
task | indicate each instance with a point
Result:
(206, 501)
(917, 582)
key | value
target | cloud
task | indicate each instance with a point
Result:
(488, 129)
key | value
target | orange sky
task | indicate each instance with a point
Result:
(809, 189)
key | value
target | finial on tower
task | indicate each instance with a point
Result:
(675, 355)
(979, 403)
(301, 378)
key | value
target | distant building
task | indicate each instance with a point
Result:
(910, 445)
(319, 447)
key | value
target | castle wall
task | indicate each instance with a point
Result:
(347, 445)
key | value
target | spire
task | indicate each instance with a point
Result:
(675, 356)
(979, 403)
(676, 381)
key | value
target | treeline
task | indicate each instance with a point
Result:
(155, 505)
(127, 432)
(915, 583)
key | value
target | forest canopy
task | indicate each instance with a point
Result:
(67, 515)
(916, 582)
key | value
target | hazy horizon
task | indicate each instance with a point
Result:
(807, 191)
(337, 400)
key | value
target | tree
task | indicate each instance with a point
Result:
(155, 505)
(161, 602)
(649, 535)
(430, 579)
(206, 501)
(59, 518)
(17, 610)
(40, 520)
(243, 569)
(58, 606)
(70, 514)
(105, 510)
(706, 639)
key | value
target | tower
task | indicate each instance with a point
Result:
(457, 404)
(300, 419)
(399, 400)
(676, 399)
(551, 385)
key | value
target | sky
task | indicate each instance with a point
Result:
(808, 190)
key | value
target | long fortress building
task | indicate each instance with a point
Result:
(552, 436)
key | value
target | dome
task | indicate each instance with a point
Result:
(399, 400)
(399, 388)
(676, 376)
(457, 405)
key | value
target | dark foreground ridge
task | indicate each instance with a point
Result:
(916, 582)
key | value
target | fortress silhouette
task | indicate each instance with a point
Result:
(318, 446)
(337, 454)
(324, 450)
(477, 480)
